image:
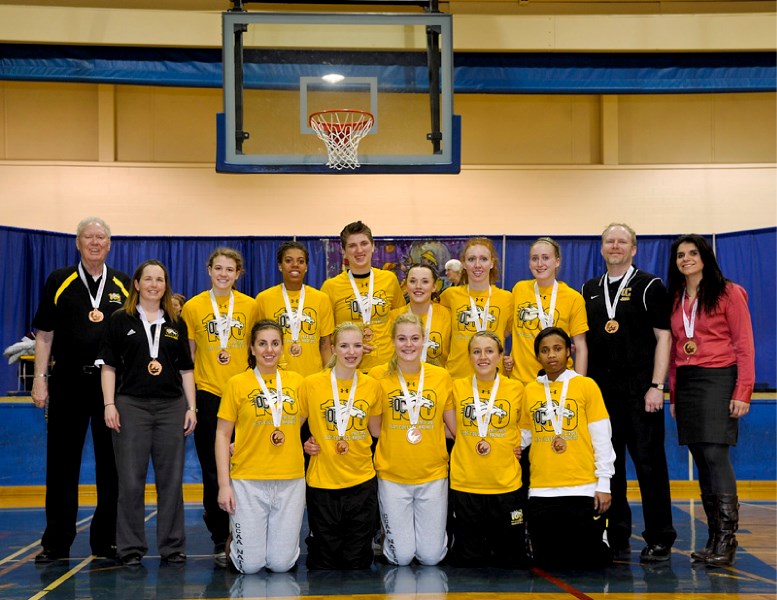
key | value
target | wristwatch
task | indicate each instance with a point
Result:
(658, 386)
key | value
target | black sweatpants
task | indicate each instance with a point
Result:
(342, 525)
(487, 530)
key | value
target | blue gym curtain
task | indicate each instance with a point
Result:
(474, 72)
(746, 257)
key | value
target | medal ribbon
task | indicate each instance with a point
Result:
(153, 340)
(276, 403)
(484, 411)
(364, 311)
(413, 403)
(427, 331)
(295, 316)
(480, 324)
(556, 413)
(609, 305)
(689, 324)
(95, 300)
(343, 411)
(546, 319)
(223, 324)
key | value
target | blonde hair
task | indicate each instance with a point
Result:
(339, 330)
(550, 242)
(406, 318)
(630, 231)
(487, 334)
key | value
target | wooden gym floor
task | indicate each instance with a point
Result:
(753, 577)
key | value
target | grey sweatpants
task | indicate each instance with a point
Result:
(413, 519)
(266, 524)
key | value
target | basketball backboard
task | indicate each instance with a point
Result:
(279, 68)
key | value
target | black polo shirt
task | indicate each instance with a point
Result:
(125, 348)
(64, 309)
(643, 306)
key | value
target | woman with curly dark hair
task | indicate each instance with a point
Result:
(712, 372)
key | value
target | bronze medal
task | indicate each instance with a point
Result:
(559, 445)
(611, 326)
(224, 357)
(154, 367)
(295, 349)
(341, 446)
(277, 438)
(96, 315)
(413, 435)
(367, 334)
(690, 347)
(483, 448)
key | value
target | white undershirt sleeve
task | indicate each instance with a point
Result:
(604, 454)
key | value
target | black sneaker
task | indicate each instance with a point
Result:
(220, 555)
(655, 553)
(47, 555)
(176, 558)
(131, 560)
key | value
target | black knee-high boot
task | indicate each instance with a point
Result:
(710, 504)
(724, 545)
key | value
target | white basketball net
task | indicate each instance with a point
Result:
(341, 131)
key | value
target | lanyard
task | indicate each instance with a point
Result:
(612, 305)
(274, 401)
(343, 411)
(483, 410)
(556, 413)
(223, 324)
(153, 340)
(546, 319)
(481, 324)
(413, 401)
(364, 302)
(95, 300)
(689, 324)
(295, 316)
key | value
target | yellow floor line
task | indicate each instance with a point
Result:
(57, 582)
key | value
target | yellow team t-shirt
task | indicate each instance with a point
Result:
(584, 405)
(245, 404)
(498, 471)
(317, 322)
(439, 332)
(387, 296)
(569, 315)
(396, 459)
(328, 469)
(499, 320)
(210, 375)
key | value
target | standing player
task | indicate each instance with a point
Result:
(304, 312)
(420, 284)
(364, 294)
(218, 323)
(476, 304)
(629, 343)
(75, 308)
(544, 302)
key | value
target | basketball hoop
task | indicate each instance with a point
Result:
(341, 129)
